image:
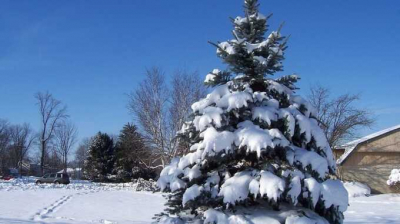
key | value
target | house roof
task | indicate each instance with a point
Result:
(350, 146)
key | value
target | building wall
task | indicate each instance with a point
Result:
(374, 176)
(373, 159)
(372, 162)
(387, 143)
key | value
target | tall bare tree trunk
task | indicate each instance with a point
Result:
(51, 114)
(43, 151)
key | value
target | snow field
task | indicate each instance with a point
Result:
(28, 183)
(383, 209)
(60, 204)
(77, 203)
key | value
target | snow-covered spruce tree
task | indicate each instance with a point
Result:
(257, 152)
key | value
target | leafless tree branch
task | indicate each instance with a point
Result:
(22, 138)
(65, 138)
(52, 113)
(338, 117)
(161, 111)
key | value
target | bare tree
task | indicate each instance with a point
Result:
(53, 159)
(65, 138)
(52, 112)
(187, 88)
(4, 135)
(149, 104)
(4, 141)
(22, 139)
(82, 152)
(338, 117)
(160, 111)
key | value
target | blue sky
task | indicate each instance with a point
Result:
(89, 54)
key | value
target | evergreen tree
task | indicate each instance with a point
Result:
(255, 146)
(100, 161)
(130, 154)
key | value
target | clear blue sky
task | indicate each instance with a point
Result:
(89, 54)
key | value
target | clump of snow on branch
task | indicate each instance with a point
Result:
(234, 100)
(334, 194)
(271, 185)
(236, 188)
(210, 115)
(256, 139)
(314, 190)
(169, 177)
(309, 158)
(215, 142)
(211, 98)
(211, 76)
(240, 20)
(191, 193)
(266, 114)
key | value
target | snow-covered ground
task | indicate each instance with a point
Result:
(366, 208)
(76, 203)
(356, 189)
(85, 202)
(384, 208)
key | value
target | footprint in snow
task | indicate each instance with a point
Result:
(45, 212)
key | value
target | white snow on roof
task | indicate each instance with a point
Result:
(70, 170)
(350, 146)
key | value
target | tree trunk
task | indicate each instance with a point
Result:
(65, 164)
(43, 146)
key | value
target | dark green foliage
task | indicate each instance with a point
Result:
(288, 81)
(130, 153)
(251, 54)
(100, 162)
(254, 28)
(218, 78)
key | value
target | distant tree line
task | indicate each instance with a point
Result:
(159, 108)
(55, 139)
(118, 159)
(16, 141)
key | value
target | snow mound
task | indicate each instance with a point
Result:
(356, 189)
(394, 177)
(263, 214)
(145, 185)
(170, 220)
